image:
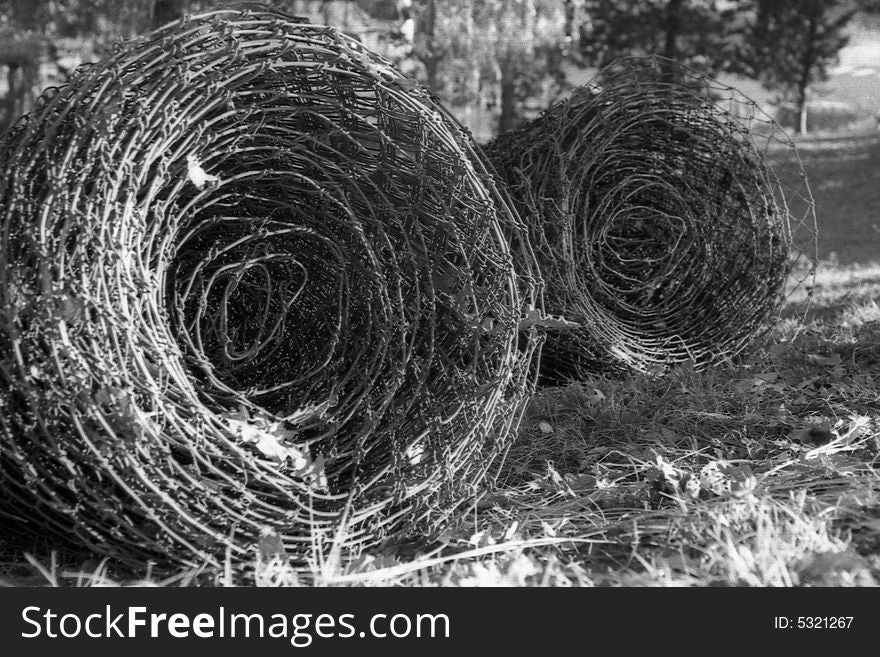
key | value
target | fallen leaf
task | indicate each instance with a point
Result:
(197, 175)
(510, 531)
(548, 530)
(692, 487)
(415, 453)
(535, 317)
(268, 438)
(310, 412)
(481, 539)
(407, 84)
(315, 474)
(583, 483)
(270, 545)
(827, 361)
(812, 435)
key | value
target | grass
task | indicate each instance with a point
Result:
(760, 472)
(844, 174)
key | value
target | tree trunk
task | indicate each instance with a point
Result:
(23, 79)
(426, 22)
(808, 62)
(508, 118)
(672, 29)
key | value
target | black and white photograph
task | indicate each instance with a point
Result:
(437, 294)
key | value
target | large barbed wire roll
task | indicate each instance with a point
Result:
(663, 207)
(254, 281)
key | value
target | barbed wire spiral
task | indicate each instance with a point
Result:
(667, 212)
(254, 283)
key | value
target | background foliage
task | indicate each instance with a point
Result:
(495, 62)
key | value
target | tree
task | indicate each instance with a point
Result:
(498, 52)
(428, 47)
(868, 6)
(36, 34)
(790, 44)
(689, 31)
(22, 51)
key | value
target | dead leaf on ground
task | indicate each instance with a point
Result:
(813, 435)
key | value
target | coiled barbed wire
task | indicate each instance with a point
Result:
(253, 282)
(662, 206)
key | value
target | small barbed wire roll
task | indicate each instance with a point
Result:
(254, 283)
(667, 212)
